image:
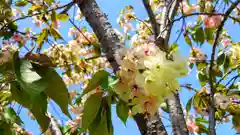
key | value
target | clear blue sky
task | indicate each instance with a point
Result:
(112, 8)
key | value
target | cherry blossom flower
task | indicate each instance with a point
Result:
(226, 42)
(127, 27)
(211, 21)
(188, 9)
(221, 100)
(56, 24)
(76, 110)
(17, 37)
(192, 127)
(196, 55)
(150, 76)
(36, 21)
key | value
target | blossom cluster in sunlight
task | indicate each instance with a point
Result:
(147, 77)
(80, 58)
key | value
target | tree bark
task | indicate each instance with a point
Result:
(54, 126)
(177, 116)
(111, 44)
(175, 108)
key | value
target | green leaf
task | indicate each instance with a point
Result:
(5, 129)
(235, 120)
(38, 106)
(202, 129)
(54, 16)
(226, 64)
(104, 82)
(109, 120)
(188, 40)
(226, 2)
(42, 37)
(57, 90)
(34, 8)
(201, 65)
(164, 107)
(199, 35)
(221, 58)
(201, 120)
(173, 48)
(11, 116)
(62, 17)
(27, 77)
(56, 35)
(49, 2)
(189, 104)
(112, 80)
(100, 126)
(91, 108)
(209, 35)
(122, 111)
(21, 3)
(219, 114)
(96, 80)
(202, 78)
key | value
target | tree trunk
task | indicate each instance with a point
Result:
(177, 116)
(110, 44)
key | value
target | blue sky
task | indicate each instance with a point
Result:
(112, 8)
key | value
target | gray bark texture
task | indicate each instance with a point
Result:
(176, 113)
(177, 117)
(110, 44)
(54, 126)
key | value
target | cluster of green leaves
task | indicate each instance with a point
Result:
(97, 107)
(224, 72)
(33, 85)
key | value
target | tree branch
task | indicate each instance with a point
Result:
(155, 25)
(53, 126)
(176, 112)
(212, 14)
(212, 121)
(177, 116)
(66, 6)
(111, 44)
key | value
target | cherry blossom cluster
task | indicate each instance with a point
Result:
(197, 56)
(147, 77)
(80, 58)
(21, 131)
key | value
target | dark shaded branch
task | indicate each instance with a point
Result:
(110, 43)
(228, 73)
(155, 25)
(212, 121)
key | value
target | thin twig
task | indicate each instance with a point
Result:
(155, 25)
(232, 79)
(212, 122)
(39, 13)
(144, 24)
(229, 72)
(210, 14)
(79, 30)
